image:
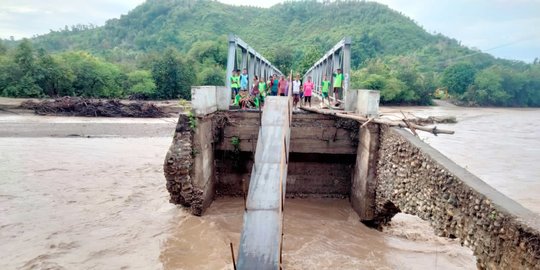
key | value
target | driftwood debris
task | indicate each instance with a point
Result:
(76, 106)
(405, 120)
(433, 130)
(433, 120)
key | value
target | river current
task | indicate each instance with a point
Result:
(92, 200)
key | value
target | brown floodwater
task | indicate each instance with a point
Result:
(101, 202)
(499, 145)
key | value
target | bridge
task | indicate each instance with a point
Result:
(262, 232)
(380, 167)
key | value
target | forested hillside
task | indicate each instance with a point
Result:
(162, 47)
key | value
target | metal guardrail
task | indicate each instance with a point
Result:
(337, 57)
(250, 59)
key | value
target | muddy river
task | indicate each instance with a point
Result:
(81, 193)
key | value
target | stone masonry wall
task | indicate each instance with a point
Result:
(414, 178)
(178, 164)
(189, 164)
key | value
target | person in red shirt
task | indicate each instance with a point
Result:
(308, 89)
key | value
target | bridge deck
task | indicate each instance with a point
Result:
(260, 242)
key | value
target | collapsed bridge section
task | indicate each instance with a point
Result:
(260, 242)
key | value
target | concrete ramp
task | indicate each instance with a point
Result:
(261, 239)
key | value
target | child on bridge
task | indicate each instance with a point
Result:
(244, 80)
(235, 83)
(325, 86)
(338, 85)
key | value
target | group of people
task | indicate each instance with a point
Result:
(253, 97)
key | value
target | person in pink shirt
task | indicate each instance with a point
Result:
(308, 88)
(282, 86)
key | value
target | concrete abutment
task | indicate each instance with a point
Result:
(381, 170)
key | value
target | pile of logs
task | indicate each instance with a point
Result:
(76, 106)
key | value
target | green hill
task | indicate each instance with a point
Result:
(390, 52)
(159, 24)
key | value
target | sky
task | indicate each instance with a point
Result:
(504, 28)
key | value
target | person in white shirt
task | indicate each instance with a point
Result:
(296, 90)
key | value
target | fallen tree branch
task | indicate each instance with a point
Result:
(409, 125)
(367, 122)
(433, 130)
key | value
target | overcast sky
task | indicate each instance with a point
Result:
(504, 28)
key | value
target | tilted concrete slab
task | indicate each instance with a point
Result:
(260, 242)
(276, 112)
(264, 188)
(269, 140)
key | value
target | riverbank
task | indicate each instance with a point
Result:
(28, 125)
(168, 107)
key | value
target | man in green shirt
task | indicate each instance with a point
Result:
(235, 83)
(325, 86)
(338, 84)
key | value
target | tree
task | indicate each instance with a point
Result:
(212, 75)
(310, 55)
(458, 77)
(140, 82)
(24, 57)
(210, 51)
(282, 58)
(54, 78)
(172, 76)
(3, 48)
(487, 88)
(19, 79)
(366, 47)
(92, 76)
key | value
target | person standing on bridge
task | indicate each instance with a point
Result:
(338, 84)
(254, 91)
(262, 90)
(296, 91)
(235, 83)
(308, 88)
(282, 86)
(325, 86)
(244, 80)
(274, 83)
